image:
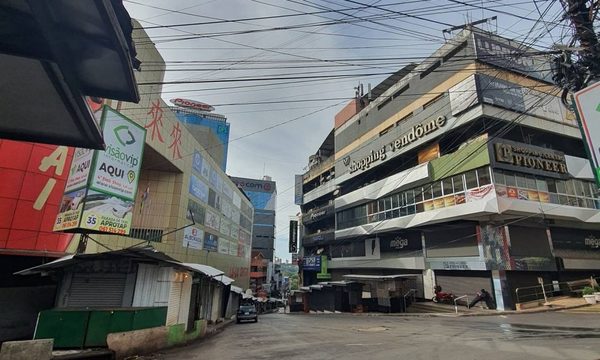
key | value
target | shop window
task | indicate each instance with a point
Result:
(484, 176)
(471, 179)
(459, 185)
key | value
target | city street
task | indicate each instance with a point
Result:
(344, 336)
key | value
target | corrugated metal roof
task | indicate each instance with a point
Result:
(204, 269)
(237, 290)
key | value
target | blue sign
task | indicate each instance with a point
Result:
(312, 263)
(198, 188)
(197, 162)
(211, 242)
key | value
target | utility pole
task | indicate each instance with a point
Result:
(574, 74)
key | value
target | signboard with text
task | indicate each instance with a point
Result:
(588, 110)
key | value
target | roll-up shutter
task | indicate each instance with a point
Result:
(174, 302)
(97, 290)
(464, 285)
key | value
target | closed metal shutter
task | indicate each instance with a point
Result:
(174, 302)
(464, 285)
(97, 290)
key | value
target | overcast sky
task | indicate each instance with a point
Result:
(276, 138)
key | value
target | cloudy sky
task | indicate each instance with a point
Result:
(280, 70)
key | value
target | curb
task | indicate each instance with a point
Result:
(450, 315)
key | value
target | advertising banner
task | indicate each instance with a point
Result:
(80, 169)
(102, 185)
(105, 213)
(212, 220)
(298, 189)
(197, 162)
(233, 248)
(198, 188)
(210, 242)
(192, 238)
(312, 263)
(223, 246)
(116, 170)
(588, 113)
(293, 245)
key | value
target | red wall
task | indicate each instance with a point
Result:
(31, 188)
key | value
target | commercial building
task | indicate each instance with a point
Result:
(464, 171)
(210, 129)
(186, 206)
(263, 195)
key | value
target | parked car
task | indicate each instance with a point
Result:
(246, 313)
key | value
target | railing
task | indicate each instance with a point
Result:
(412, 293)
(536, 292)
(456, 300)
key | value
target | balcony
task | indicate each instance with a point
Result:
(318, 214)
(322, 237)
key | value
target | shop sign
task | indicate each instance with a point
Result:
(379, 155)
(400, 242)
(456, 264)
(80, 169)
(529, 159)
(297, 189)
(588, 112)
(116, 170)
(592, 242)
(192, 104)
(312, 263)
(210, 242)
(107, 214)
(293, 239)
(192, 238)
(511, 55)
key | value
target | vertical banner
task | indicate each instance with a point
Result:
(293, 236)
(587, 103)
(102, 185)
(298, 189)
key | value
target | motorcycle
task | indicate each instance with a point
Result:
(442, 297)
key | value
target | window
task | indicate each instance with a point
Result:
(541, 185)
(418, 194)
(521, 181)
(437, 189)
(531, 184)
(447, 186)
(499, 177)
(410, 196)
(484, 176)
(561, 187)
(510, 179)
(570, 187)
(427, 194)
(395, 203)
(459, 185)
(471, 179)
(551, 185)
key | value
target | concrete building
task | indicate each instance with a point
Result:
(463, 171)
(263, 195)
(210, 129)
(186, 206)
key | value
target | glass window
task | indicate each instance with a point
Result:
(388, 202)
(499, 177)
(531, 182)
(563, 199)
(381, 203)
(394, 201)
(420, 208)
(586, 189)
(437, 189)
(427, 194)
(484, 176)
(458, 182)
(418, 194)
(561, 188)
(410, 197)
(403, 211)
(396, 213)
(388, 214)
(578, 187)
(372, 208)
(510, 179)
(554, 198)
(402, 199)
(447, 186)
(570, 187)
(521, 181)
(541, 185)
(410, 209)
(551, 185)
(471, 179)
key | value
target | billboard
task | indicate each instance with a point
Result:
(293, 236)
(33, 177)
(588, 112)
(101, 186)
(192, 238)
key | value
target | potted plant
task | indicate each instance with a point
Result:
(588, 295)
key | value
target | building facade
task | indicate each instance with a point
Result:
(186, 206)
(210, 129)
(465, 171)
(263, 195)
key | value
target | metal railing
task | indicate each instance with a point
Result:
(536, 292)
(456, 300)
(410, 293)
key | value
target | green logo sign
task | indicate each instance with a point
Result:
(124, 130)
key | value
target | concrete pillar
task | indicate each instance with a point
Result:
(501, 290)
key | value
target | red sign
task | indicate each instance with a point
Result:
(33, 179)
(197, 105)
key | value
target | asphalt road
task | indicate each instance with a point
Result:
(345, 336)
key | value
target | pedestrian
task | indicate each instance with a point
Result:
(482, 295)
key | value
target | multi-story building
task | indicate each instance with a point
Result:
(186, 206)
(464, 171)
(263, 195)
(210, 129)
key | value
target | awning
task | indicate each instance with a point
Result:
(380, 277)
(204, 269)
(237, 290)
(53, 55)
(53, 265)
